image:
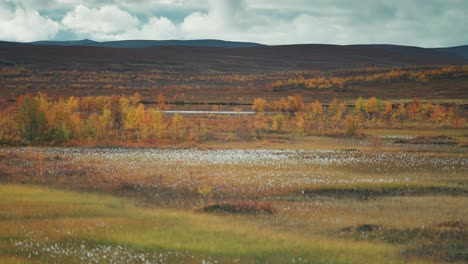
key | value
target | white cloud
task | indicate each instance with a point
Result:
(113, 23)
(156, 28)
(97, 21)
(25, 25)
(200, 25)
(416, 22)
(225, 19)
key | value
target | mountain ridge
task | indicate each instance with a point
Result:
(75, 55)
(461, 50)
(137, 43)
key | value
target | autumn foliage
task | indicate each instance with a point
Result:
(370, 76)
(38, 119)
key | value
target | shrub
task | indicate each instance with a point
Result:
(32, 120)
(352, 125)
(241, 207)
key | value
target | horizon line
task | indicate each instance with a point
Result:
(230, 41)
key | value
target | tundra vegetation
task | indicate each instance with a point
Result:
(37, 119)
(114, 178)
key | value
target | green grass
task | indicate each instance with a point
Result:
(50, 224)
(446, 241)
(367, 190)
(459, 134)
(376, 191)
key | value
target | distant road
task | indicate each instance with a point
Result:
(211, 112)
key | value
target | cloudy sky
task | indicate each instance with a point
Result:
(427, 23)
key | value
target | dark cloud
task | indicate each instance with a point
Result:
(410, 22)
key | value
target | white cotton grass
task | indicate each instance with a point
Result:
(258, 170)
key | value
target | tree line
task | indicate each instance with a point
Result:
(38, 119)
(393, 75)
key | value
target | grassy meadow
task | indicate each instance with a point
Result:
(50, 226)
(313, 200)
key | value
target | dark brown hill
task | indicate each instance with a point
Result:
(252, 59)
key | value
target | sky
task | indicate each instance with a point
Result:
(424, 23)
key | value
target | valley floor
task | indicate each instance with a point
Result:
(333, 200)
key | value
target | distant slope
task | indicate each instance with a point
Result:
(461, 51)
(84, 42)
(12, 44)
(151, 43)
(203, 58)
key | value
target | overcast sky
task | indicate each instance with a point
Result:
(426, 23)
